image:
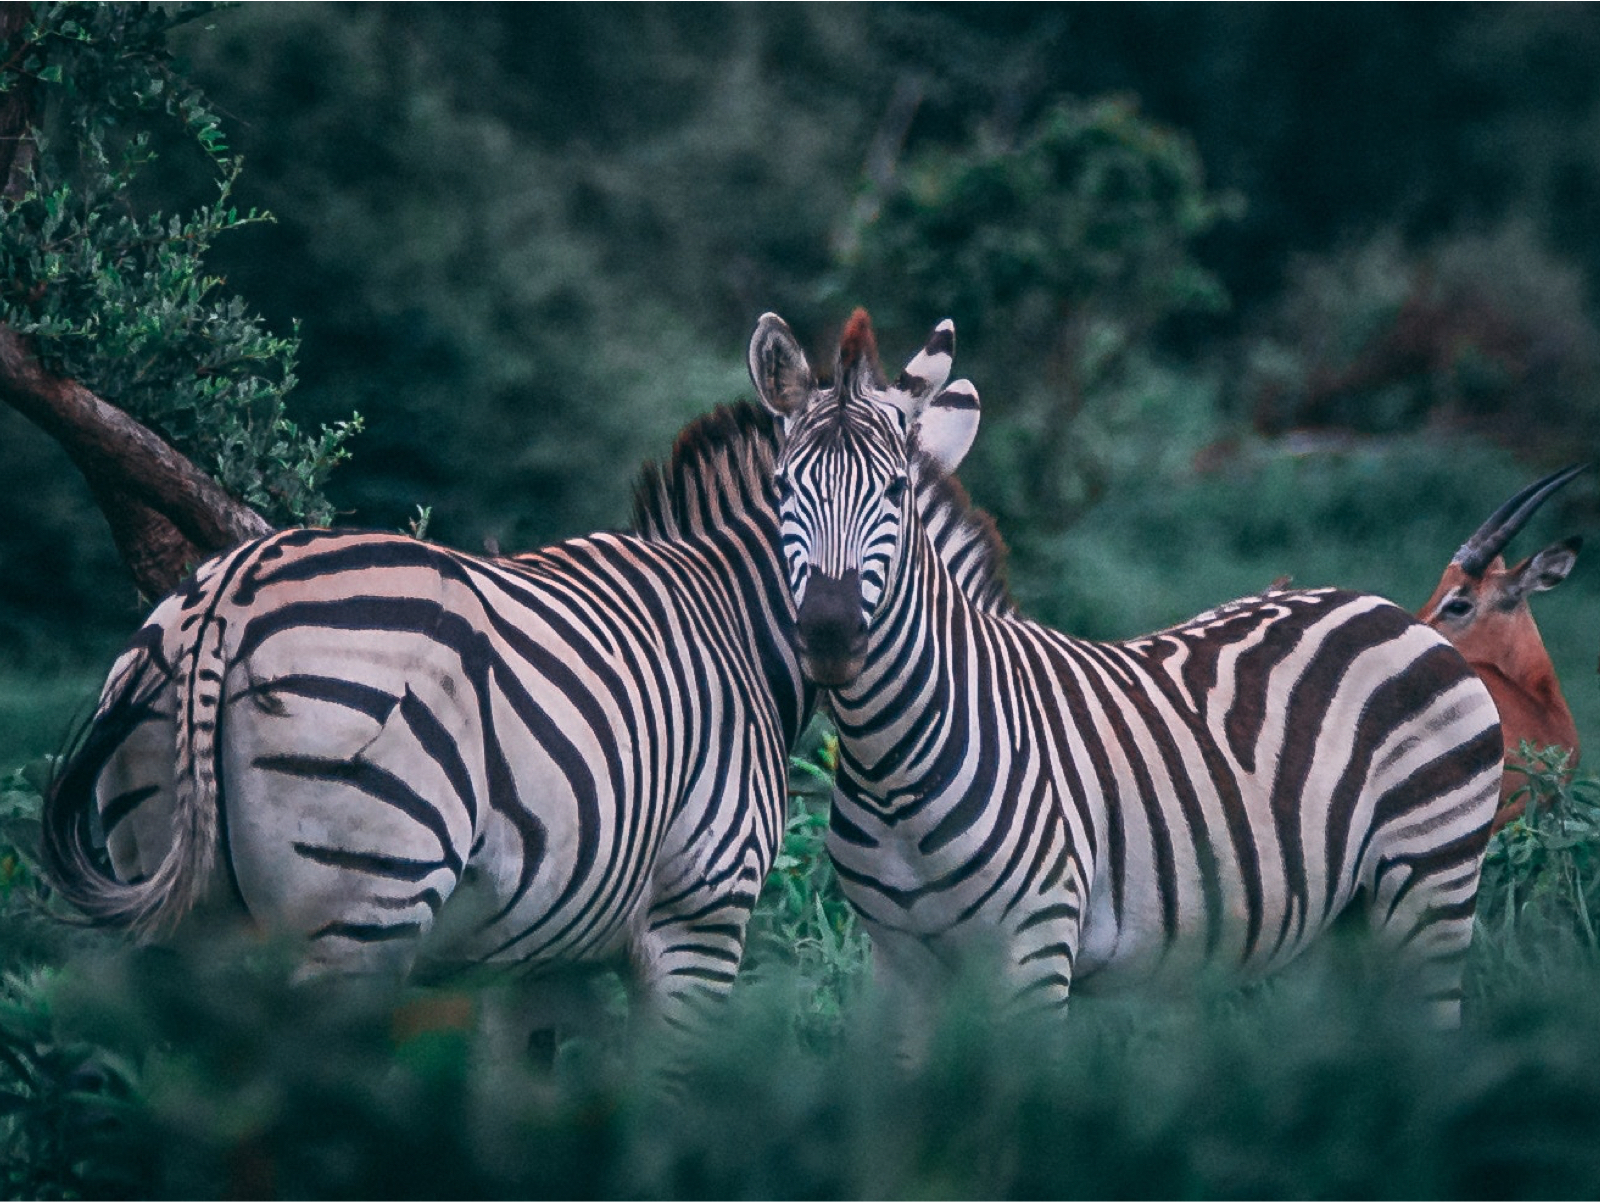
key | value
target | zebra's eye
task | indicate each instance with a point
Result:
(1456, 607)
(895, 491)
(782, 487)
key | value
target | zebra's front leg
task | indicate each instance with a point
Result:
(1025, 972)
(1042, 951)
(910, 978)
(689, 950)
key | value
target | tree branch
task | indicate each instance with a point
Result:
(165, 514)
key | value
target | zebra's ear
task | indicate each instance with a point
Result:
(778, 366)
(948, 425)
(926, 373)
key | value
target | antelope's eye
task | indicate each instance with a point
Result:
(895, 491)
(1456, 607)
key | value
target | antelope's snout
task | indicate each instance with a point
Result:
(830, 631)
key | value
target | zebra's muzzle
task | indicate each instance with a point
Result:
(831, 631)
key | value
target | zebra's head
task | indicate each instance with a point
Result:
(844, 475)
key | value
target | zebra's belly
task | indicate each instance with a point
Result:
(1162, 922)
(1171, 937)
(485, 922)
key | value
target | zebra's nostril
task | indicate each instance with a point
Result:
(830, 629)
(832, 606)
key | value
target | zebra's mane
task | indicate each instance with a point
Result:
(720, 468)
(964, 536)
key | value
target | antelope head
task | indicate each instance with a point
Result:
(1481, 606)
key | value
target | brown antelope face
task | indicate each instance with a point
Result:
(1481, 606)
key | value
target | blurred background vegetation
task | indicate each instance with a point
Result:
(1249, 291)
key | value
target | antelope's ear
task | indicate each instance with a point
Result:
(778, 366)
(949, 424)
(1546, 569)
(925, 375)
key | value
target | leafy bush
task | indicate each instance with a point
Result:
(1474, 331)
(1057, 256)
(1539, 901)
(116, 295)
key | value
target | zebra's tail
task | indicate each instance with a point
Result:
(74, 843)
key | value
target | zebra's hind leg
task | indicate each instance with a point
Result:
(339, 831)
(1423, 895)
(528, 1020)
(690, 949)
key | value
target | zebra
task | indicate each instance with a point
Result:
(1208, 796)
(415, 758)
(412, 757)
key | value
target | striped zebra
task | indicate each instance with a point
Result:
(567, 758)
(1214, 794)
(576, 756)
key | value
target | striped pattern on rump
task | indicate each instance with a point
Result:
(573, 756)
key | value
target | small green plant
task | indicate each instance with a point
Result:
(1539, 898)
(61, 1097)
(417, 527)
(64, 1103)
(20, 795)
(803, 922)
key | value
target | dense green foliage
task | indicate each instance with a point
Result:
(527, 243)
(526, 246)
(201, 1071)
(1074, 240)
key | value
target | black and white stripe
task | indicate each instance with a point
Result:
(573, 756)
(576, 756)
(1213, 794)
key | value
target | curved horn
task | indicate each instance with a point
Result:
(1479, 551)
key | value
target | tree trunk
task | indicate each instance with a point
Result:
(166, 515)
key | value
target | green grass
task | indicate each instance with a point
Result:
(200, 1070)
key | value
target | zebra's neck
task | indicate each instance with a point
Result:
(713, 495)
(963, 537)
(951, 573)
(915, 679)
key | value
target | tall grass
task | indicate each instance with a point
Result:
(201, 1070)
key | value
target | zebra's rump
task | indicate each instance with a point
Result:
(586, 735)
